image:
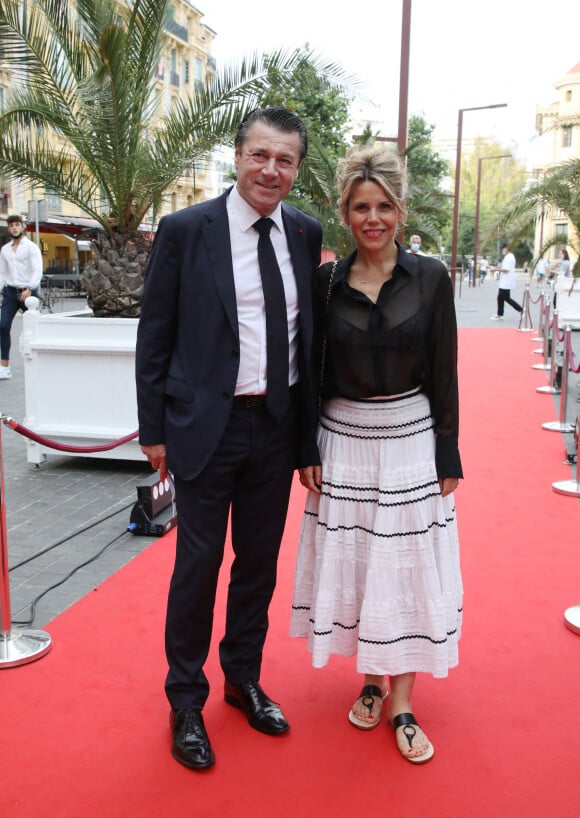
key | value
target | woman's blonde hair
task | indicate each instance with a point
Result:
(379, 164)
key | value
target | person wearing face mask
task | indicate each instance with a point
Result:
(415, 246)
(20, 275)
(506, 283)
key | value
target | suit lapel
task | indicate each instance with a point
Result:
(302, 266)
(216, 234)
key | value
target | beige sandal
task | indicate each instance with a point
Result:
(408, 722)
(368, 695)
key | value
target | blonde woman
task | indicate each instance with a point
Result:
(378, 572)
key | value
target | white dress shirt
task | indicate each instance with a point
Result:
(507, 273)
(22, 268)
(250, 297)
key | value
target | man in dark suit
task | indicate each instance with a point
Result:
(212, 410)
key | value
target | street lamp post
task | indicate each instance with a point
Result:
(458, 181)
(477, 197)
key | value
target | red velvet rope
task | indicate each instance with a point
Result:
(65, 447)
(537, 299)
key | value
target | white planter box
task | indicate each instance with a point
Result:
(79, 382)
(568, 303)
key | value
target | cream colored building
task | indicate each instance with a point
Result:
(558, 125)
(186, 65)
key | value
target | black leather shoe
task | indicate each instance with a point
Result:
(263, 714)
(191, 745)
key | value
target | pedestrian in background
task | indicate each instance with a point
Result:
(506, 283)
(20, 276)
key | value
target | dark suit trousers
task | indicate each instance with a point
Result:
(250, 474)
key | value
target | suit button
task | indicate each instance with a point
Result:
(235, 354)
(226, 395)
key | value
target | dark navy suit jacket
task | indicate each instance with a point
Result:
(188, 347)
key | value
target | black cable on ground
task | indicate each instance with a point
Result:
(32, 605)
(69, 537)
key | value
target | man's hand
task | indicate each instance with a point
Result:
(311, 478)
(24, 294)
(157, 456)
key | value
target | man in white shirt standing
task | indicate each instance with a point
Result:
(506, 283)
(20, 275)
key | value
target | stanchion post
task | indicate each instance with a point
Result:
(572, 618)
(542, 301)
(551, 389)
(545, 348)
(525, 314)
(17, 647)
(561, 425)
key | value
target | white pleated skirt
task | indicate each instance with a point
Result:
(378, 572)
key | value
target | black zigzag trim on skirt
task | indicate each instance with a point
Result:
(381, 491)
(379, 504)
(372, 426)
(377, 436)
(423, 637)
(380, 534)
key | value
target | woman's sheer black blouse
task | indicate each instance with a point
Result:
(407, 339)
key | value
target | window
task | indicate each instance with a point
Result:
(566, 136)
(197, 74)
(186, 72)
(568, 96)
(53, 200)
(174, 76)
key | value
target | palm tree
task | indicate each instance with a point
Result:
(82, 123)
(558, 190)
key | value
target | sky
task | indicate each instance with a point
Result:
(462, 54)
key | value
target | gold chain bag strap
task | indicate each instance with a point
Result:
(323, 356)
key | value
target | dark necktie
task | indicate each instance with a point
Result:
(277, 392)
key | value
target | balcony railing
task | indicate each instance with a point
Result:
(177, 30)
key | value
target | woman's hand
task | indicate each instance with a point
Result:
(311, 478)
(448, 485)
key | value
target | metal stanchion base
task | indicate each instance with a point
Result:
(569, 487)
(537, 351)
(572, 618)
(527, 329)
(21, 647)
(536, 340)
(556, 426)
(545, 367)
(548, 390)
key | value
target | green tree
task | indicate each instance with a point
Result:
(500, 180)
(324, 107)
(85, 73)
(429, 209)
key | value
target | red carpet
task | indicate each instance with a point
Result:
(84, 730)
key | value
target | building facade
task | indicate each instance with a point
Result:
(558, 125)
(185, 67)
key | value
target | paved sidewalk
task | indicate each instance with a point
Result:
(65, 500)
(74, 510)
